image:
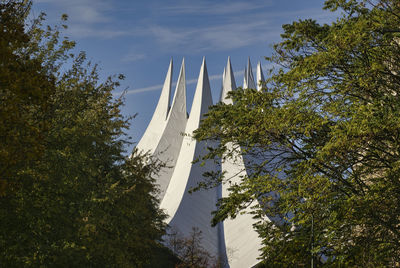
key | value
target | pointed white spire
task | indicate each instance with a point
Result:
(202, 99)
(179, 101)
(260, 76)
(228, 82)
(170, 143)
(187, 210)
(248, 76)
(163, 103)
(239, 231)
(154, 130)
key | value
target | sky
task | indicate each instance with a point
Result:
(139, 37)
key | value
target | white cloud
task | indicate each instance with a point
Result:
(168, 35)
(130, 57)
(219, 37)
(141, 90)
(87, 18)
(86, 11)
(235, 24)
(220, 8)
(228, 32)
(85, 31)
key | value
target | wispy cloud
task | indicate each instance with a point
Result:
(87, 18)
(130, 57)
(141, 90)
(85, 11)
(258, 25)
(220, 37)
(220, 8)
(232, 24)
(80, 31)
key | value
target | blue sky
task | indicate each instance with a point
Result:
(138, 38)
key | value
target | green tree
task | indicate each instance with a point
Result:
(25, 90)
(70, 198)
(324, 131)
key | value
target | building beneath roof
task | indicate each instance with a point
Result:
(168, 137)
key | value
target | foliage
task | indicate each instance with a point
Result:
(25, 92)
(69, 196)
(323, 136)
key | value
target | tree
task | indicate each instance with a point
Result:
(25, 92)
(69, 196)
(190, 251)
(324, 132)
